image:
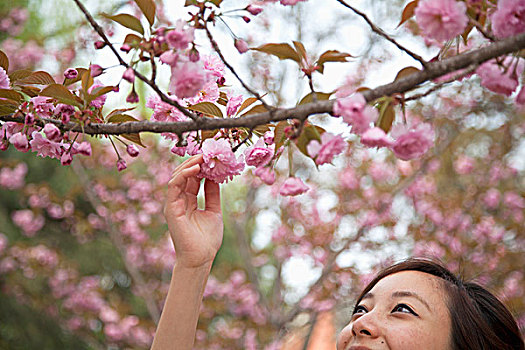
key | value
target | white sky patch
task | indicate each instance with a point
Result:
(299, 273)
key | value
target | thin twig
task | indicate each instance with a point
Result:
(216, 48)
(151, 83)
(380, 32)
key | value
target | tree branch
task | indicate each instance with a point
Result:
(302, 112)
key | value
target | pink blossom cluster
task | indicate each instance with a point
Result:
(220, 163)
(441, 20)
(356, 112)
(28, 221)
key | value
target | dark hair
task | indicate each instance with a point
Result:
(479, 321)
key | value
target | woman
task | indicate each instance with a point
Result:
(413, 305)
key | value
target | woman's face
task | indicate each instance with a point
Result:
(404, 311)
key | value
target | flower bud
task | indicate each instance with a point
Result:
(254, 10)
(126, 48)
(246, 19)
(99, 44)
(132, 97)
(96, 70)
(241, 45)
(129, 75)
(132, 150)
(66, 158)
(194, 55)
(70, 73)
(121, 164)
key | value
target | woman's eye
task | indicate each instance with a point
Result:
(404, 308)
(360, 309)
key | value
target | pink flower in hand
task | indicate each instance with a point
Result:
(259, 154)
(509, 18)
(356, 112)
(412, 143)
(293, 186)
(376, 137)
(220, 163)
(330, 146)
(501, 80)
(4, 79)
(441, 20)
(187, 79)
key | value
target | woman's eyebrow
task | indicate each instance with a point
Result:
(403, 293)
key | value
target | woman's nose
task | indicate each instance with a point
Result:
(365, 326)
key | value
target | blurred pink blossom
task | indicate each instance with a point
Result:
(13, 179)
(356, 112)
(330, 146)
(293, 186)
(266, 174)
(28, 221)
(181, 36)
(441, 20)
(412, 143)
(376, 137)
(187, 79)
(501, 80)
(509, 18)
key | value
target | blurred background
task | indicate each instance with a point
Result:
(85, 259)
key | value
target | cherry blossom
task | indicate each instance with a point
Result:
(441, 19)
(220, 163)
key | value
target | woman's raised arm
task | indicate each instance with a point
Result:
(197, 236)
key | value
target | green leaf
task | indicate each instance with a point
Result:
(87, 81)
(4, 61)
(408, 11)
(387, 116)
(283, 51)
(310, 132)
(331, 56)
(247, 103)
(148, 8)
(255, 110)
(11, 95)
(132, 40)
(40, 78)
(127, 21)
(207, 108)
(19, 74)
(321, 96)
(279, 136)
(61, 94)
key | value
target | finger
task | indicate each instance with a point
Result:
(192, 189)
(178, 184)
(198, 159)
(212, 196)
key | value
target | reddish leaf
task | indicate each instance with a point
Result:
(331, 56)
(283, 51)
(255, 110)
(127, 21)
(19, 74)
(30, 91)
(61, 94)
(408, 11)
(321, 96)
(132, 40)
(247, 103)
(8, 107)
(11, 95)
(309, 133)
(207, 108)
(208, 134)
(386, 119)
(406, 72)
(299, 47)
(4, 61)
(40, 78)
(279, 136)
(148, 8)
(119, 111)
(216, 2)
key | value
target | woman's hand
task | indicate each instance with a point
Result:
(196, 234)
